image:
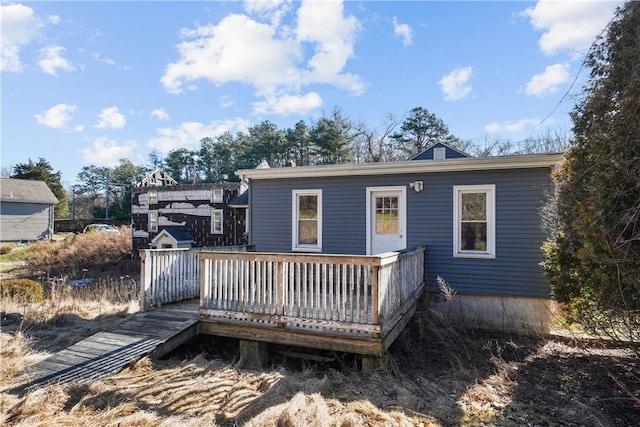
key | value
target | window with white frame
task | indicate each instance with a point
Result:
(153, 221)
(474, 234)
(306, 220)
(216, 221)
(153, 197)
(217, 195)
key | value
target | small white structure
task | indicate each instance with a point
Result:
(172, 238)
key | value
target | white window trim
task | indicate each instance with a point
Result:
(490, 191)
(215, 191)
(149, 223)
(439, 153)
(295, 247)
(221, 212)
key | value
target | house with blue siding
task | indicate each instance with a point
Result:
(479, 219)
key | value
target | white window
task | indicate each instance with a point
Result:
(153, 221)
(474, 231)
(153, 197)
(306, 220)
(216, 221)
(217, 195)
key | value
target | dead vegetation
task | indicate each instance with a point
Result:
(435, 374)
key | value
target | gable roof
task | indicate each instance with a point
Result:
(26, 191)
(407, 167)
(177, 233)
(427, 153)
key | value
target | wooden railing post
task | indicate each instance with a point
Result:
(280, 288)
(375, 294)
(144, 276)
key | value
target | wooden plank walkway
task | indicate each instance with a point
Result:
(157, 331)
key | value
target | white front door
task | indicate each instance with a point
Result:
(386, 219)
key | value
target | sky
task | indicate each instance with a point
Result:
(91, 82)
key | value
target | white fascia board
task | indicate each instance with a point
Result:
(405, 167)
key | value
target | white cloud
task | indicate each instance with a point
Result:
(455, 85)
(106, 152)
(268, 55)
(109, 61)
(160, 114)
(58, 116)
(404, 31)
(111, 118)
(513, 127)
(189, 134)
(54, 19)
(549, 81)
(288, 104)
(51, 60)
(333, 36)
(18, 27)
(569, 25)
(226, 101)
(272, 10)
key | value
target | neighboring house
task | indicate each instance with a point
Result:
(478, 217)
(197, 215)
(26, 210)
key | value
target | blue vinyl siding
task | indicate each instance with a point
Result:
(450, 153)
(519, 195)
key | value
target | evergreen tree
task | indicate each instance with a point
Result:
(42, 171)
(593, 255)
(419, 130)
(331, 139)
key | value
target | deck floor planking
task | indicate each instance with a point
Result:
(108, 352)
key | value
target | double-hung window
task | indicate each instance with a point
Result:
(307, 220)
(216, 221)
(474, 231)
(153, 221)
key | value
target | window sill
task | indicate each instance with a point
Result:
(307, 249)
(474, 255)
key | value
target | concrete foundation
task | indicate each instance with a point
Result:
(510, 314)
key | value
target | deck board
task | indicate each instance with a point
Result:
(108, 352)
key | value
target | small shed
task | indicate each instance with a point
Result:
(26, 210)
(172, 238)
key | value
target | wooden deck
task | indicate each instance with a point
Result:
(350, 303)
(154, 332)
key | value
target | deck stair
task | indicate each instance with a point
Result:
(158, 331)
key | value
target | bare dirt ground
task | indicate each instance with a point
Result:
(435, 374)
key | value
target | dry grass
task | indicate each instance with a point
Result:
(79, 253)
(434, 375)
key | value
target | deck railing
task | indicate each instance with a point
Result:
(170, 275)
(346, 293)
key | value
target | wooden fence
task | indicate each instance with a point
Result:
(346, 293)
(170, 275)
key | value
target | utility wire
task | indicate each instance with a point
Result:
(584, 62)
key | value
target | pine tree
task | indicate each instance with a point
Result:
(593, 256)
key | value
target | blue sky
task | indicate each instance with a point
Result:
(92, 82)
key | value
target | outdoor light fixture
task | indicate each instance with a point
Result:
(417, 186)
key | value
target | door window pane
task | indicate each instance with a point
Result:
(387, 215)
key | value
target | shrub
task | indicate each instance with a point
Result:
(23, 290)
(5, 249)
